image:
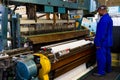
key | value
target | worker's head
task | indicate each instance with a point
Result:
(102, 10)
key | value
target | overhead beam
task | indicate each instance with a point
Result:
(58, 3)
(80, 4)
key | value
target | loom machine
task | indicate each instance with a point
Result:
(43, 39)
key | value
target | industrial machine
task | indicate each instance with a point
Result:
(45, 41)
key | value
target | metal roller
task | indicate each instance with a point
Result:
(62, 48)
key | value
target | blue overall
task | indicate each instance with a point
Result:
(104, 40)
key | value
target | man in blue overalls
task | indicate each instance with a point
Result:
(103, 41)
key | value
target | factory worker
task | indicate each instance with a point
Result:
(103, 41)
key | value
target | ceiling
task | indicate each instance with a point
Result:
(110, 2)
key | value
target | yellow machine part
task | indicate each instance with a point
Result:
(46, 66)
(76, 24)
(77, 17)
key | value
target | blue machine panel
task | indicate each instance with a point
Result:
(3, 27)
(84, 4)
(48, 9)
(61, 10)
